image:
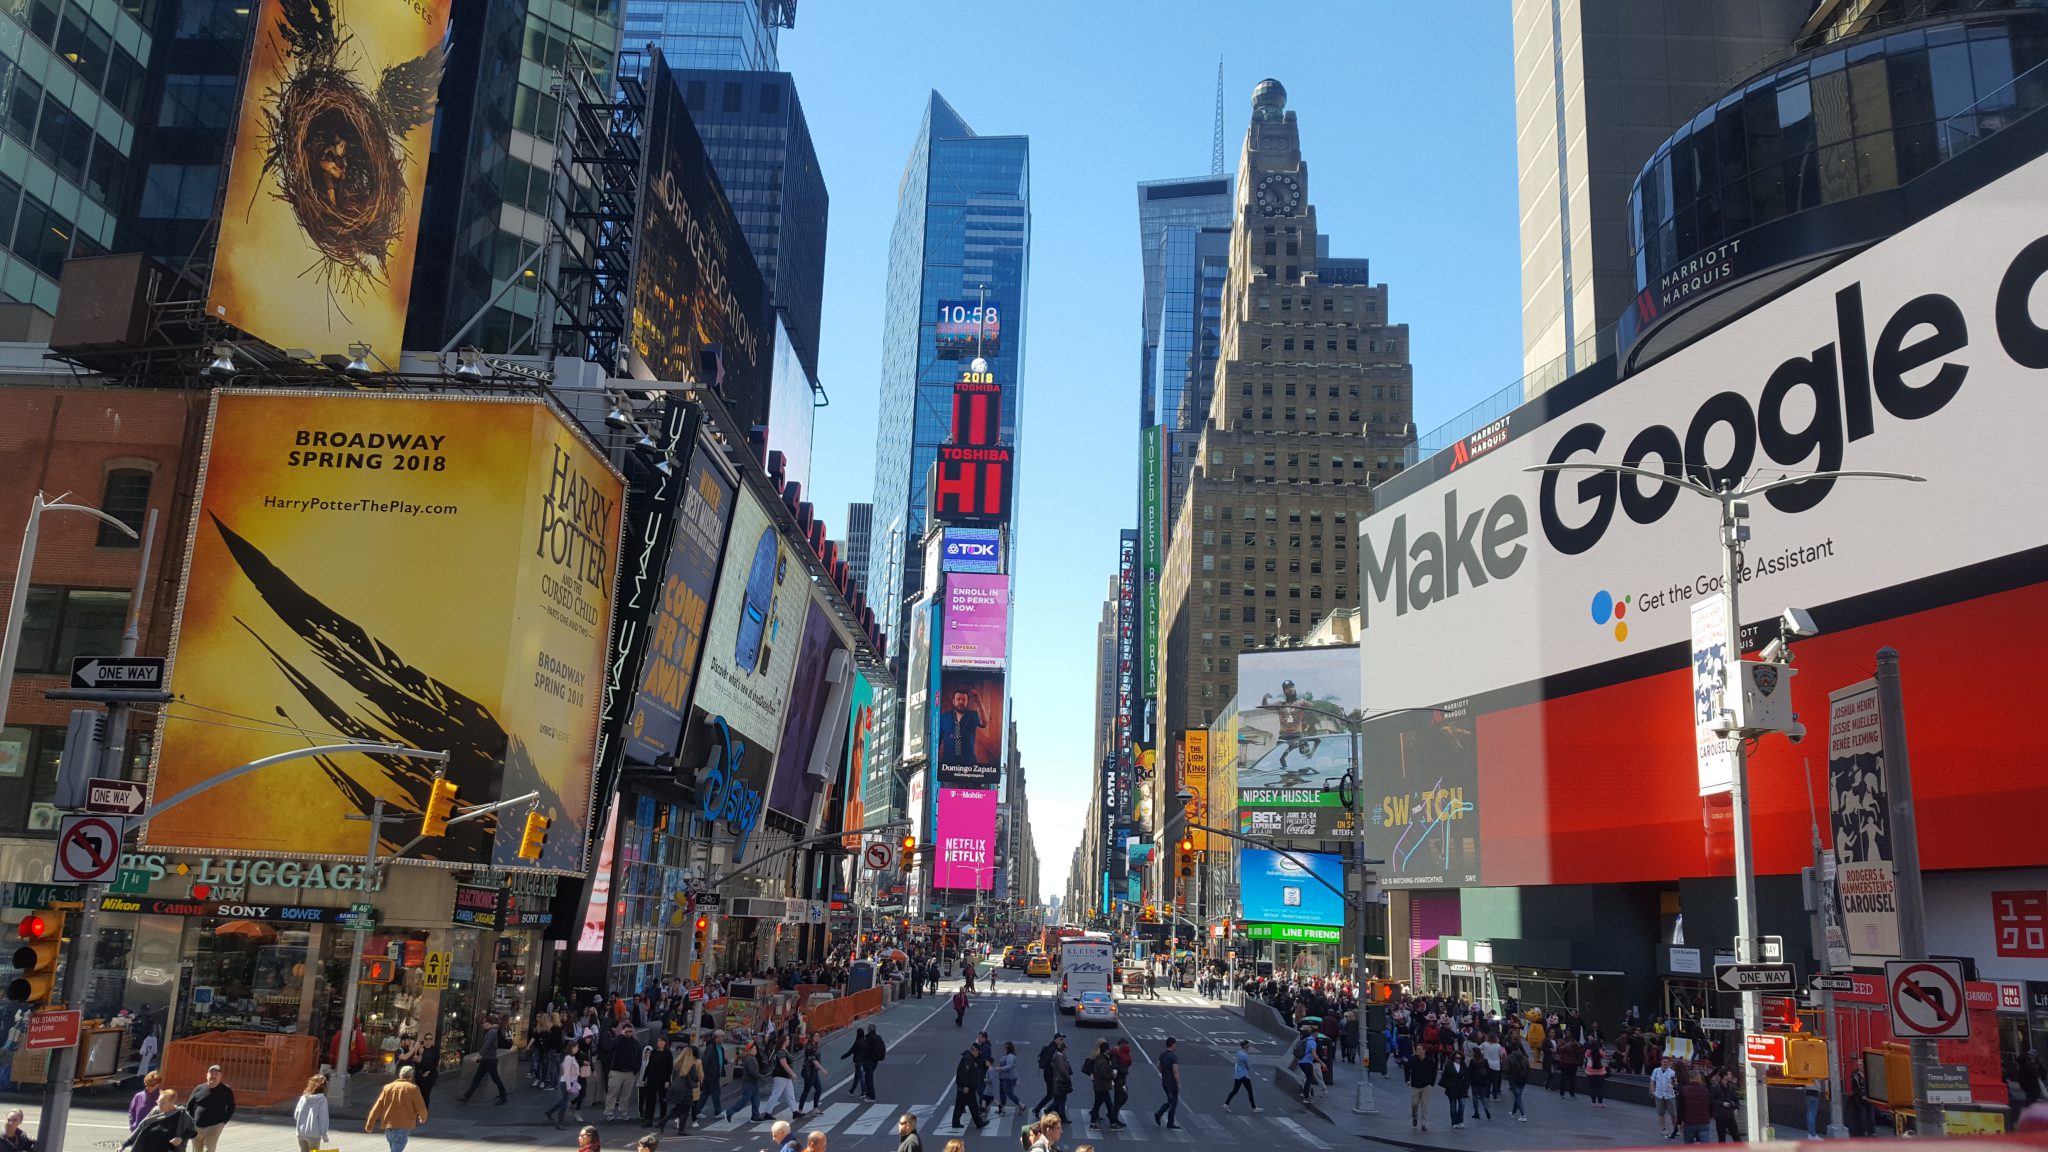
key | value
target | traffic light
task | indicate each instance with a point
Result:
(35, 959)
(1187, 856)
(703, 947)
(534, 837)
(440, 806)
(909, 847)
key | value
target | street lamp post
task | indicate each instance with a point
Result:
(1734, 533)
(17, 603)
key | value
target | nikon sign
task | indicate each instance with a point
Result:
(1927, 353)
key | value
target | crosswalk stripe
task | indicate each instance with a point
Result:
(832, 1114)
(1300, 1132)
(871, 1121)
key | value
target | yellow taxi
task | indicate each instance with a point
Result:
(1038, 965)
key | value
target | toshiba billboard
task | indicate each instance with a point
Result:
(1552, 611)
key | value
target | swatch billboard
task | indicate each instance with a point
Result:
(965, 844)
(976, 630)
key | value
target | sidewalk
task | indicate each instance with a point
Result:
(99, 1118)
(1554, 1121)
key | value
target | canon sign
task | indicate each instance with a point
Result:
(1911, 356)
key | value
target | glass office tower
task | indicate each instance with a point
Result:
(738, 35)
(962, 234)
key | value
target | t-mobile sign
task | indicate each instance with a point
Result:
(966, 839)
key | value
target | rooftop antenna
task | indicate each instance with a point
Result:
(1216, 139)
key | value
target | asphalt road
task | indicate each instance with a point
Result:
(917, 1077)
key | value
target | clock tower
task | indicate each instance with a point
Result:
(1310, 408)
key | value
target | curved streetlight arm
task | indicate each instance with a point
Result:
(1658, 475)
(102, 517)
(1788, 481)
(295, 754)
(786, 849)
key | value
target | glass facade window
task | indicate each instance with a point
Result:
(729, 34)
(646, 922)
(963, 225)
(1855, 119)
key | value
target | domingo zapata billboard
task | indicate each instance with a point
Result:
(321, 218)
(433, 572)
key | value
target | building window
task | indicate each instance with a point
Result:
(1208, 563)
(735, 96)
(771, 98)
(126, 499)
(60, 623)
(211, 19)
(179, 191)
(196, 101)
(1294, 615)
(1315, 591)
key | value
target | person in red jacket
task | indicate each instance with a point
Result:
(1695, 1106)
(959, 1008)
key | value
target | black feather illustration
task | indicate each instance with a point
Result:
(405, 93)
(308, 27)
(398, 702)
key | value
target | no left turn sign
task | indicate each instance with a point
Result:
(88, 849)
(1927, 1001)
(878, 855)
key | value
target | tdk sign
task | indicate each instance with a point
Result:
(972, 550)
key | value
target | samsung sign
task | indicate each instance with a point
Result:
(972, 550)
(1924, 354)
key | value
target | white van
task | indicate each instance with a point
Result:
(1087, 964)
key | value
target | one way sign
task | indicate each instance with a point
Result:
(1756, 977)
(135, 673)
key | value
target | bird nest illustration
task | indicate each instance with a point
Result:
(336, 149)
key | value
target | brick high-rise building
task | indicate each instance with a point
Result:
(1311, 407)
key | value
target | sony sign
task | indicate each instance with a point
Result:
(1923, 354)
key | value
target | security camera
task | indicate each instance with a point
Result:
(1797, 732)
(1797, 622)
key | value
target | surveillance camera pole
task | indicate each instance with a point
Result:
(1734, 504)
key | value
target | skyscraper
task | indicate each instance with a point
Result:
(754, 130)
(485, 209)
(961, 240)
(1312, 406)
(860, 520)
(1611, 82)
(737, 35)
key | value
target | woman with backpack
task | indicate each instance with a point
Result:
(1514, 1068)
(1100, 1068)
(1596, 1073)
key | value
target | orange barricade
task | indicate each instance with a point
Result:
(262, 1067)
(833, 1014)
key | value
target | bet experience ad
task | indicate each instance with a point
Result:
(432, 572)
(1908, 357)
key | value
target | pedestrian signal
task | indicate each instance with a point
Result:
(35, 958)
(440, 806)
(533, 837)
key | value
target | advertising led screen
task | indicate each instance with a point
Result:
(976, 630)
(972, 550)
(971, 485)
(966, 839)
(321, 215)
(751, 648)
(655, 728)
(1277, 889)
(695, 282)
(432, 572)
(1151, 552)
(1292, 708)
(860, 763)
(959, 326)
(1552, 613)
(917, 690)
(969, 751)
(791, 795)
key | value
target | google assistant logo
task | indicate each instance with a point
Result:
(1606, 608)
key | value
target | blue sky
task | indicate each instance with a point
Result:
(1407, 124)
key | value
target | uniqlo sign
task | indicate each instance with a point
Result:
(2019, 921)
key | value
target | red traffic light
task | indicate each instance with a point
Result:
(703, 922)
(34, 927)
